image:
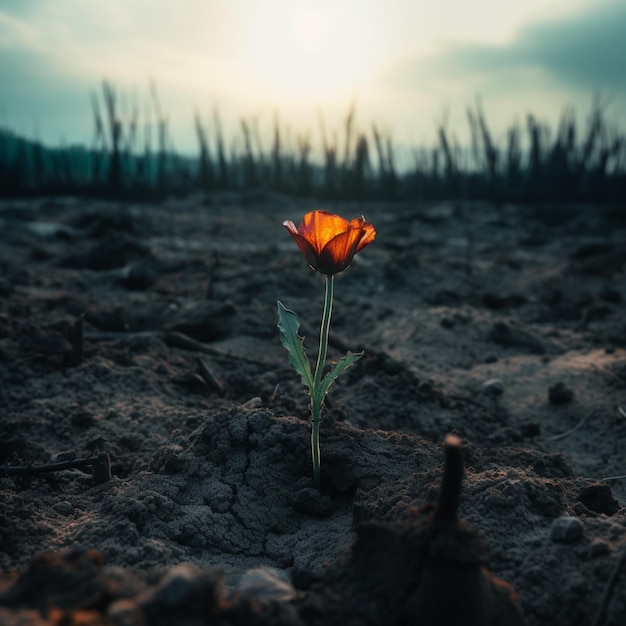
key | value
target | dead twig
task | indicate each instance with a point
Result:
(272, 398)
(209, 378)
(100, 464)
(174, 339)
(567, 433)
(171, 338)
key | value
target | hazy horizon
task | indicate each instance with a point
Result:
(406, 65)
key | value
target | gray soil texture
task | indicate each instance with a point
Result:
(503, 325)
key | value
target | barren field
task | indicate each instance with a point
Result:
(503, 325)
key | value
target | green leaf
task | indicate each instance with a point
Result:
(342, 364)
(288, 326)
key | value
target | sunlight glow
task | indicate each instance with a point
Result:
(309, 49)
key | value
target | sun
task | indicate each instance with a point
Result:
(310, 28)
(310, 50)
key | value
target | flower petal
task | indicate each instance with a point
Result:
(369, 234)
(290, 226)
(319, 227)
(305, 247)
(328, 241)
(340, 250)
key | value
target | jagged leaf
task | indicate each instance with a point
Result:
(342, 364)
(288, 326)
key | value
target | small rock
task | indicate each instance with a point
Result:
(560, 394)
(447, 322)
(64, 508)
(493, 387)
(598, 498)
(138, 275)
(566, 529)
(266, 583)
(185, 590)
(61, 457)
(310, 501)
(124, 611)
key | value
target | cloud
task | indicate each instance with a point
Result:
(26, 65)
(585, 51)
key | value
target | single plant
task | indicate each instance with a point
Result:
(328, 243)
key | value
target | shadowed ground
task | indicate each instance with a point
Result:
(505, 326)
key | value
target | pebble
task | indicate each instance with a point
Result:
(64, 508)
(124, 612)
(560, 394)
(566, 529)
(182, 585)
(61, 457)
(447, 322)
(267, 583)
(493, 387)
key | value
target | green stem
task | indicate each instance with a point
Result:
(315, 452)
(316, 398)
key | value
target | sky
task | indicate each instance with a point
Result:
(406, 65)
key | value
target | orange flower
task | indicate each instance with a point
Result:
(328, 241)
